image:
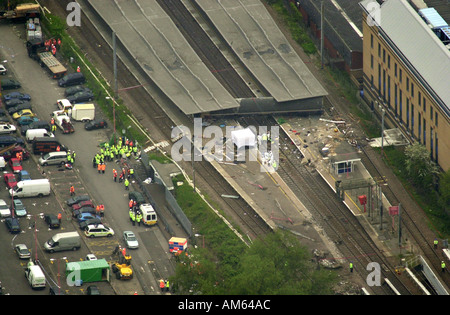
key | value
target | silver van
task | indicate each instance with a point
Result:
(52, 158)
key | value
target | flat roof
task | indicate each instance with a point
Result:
(260, 45)
(157, 45)
(426, 56)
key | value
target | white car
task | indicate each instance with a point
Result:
(130, 239)
(3, 70)
(4, 209)
(90, 257)
(7, 128)
(98, 230)
(23, 251)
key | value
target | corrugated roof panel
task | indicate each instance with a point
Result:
(432, 17)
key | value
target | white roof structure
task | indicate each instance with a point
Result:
(416, 44)
(243, 137)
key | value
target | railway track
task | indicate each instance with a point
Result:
(339, 223)
(409, 219)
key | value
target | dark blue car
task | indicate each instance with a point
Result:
(18, 95)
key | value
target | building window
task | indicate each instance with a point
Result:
(401, 106)
(431, 143)
(371, 41)
(379, 79)
(431, 113)
(395, 98)
(412, 119)
(420, 99)
(436, 119)
(389, 61)
(424, 105)
(407, 84)
(379, 50)
(400, 75)
(436, 147)
(384, 55)
(419, 130)
(412, 90)
(384, 85)
(395, 69)
(424, 132)
(371, 81)
(371, 61)
(389, 91)
(407, 113)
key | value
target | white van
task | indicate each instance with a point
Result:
(2, 163)
(53, 158)
(149, 216)
(31, 134)
(35, 276)
(63, 241)
(31, 188)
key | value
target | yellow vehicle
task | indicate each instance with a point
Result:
(122, 267)
(23, 112)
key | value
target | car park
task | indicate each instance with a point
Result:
(76, 199)
(22, 113)
(75, 89)
(82, 204)
(18, 95)
(94, 221)
(10, 84)
(4, 209)
(26, 120)
(52, 221)
(7, 128)
(19, 208)
(3, 70)
(99, 230)
(79, 97)
(10, 180)
(95, 124)
(22, 251)
(12, 224)
(15, 165)
(130, 239)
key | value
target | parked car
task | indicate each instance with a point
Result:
(15, 164)
(19, 208)
(76, 199)
(4, 209)
(13, 102)
(18, 95)
(26, 120)
(10, 84)
(86, 216)
(75, 89)
(94, 221)
(52, 221)
(82, 204)
(22, 251)
(130, 239)
(7, 128)
(92, 290)
(10, 180)
(7, 140)
(23, 175)
(22, 113)
(90, 257)
(79, 97)
(13, 225)
(39, 124)
(96, 124)
(76, 213)
(98, 231)
(3, 70)
(14, 109)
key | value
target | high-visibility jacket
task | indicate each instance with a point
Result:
(126, 183)
(103, 167)
(161, 284)
(130, 204)
(72, 189)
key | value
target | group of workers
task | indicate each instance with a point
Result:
(164, 285)
(134, 212)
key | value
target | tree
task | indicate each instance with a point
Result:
(444, 189)
(421, 169)
(276, 265)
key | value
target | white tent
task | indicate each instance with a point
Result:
(243, 137)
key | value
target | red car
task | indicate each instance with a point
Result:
(82, 204)
(10, 180)
(13, 152)
(15, 165)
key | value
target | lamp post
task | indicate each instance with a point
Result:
(114, 113)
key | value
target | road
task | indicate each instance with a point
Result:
(44, 92)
